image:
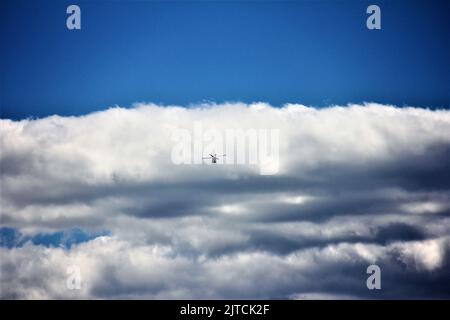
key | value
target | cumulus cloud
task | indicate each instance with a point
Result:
(355, 185)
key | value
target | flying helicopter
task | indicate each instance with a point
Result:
(214, 157)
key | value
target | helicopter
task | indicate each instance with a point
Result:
(214, 157)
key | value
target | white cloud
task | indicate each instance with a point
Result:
(113, 268)
(352, 185)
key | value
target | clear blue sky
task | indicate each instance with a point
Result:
(311, 52)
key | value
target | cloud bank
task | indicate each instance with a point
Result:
(356, 185)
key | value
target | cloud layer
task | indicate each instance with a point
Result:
(356, 185)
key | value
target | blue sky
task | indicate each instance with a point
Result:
(311, 52)
(10, 238)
